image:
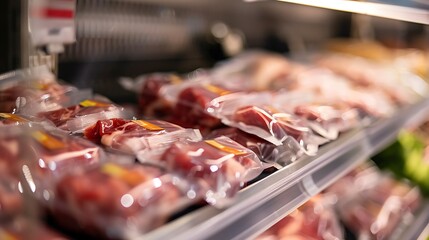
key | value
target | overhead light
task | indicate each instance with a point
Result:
(368, 8)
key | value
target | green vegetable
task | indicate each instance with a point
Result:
(405, 158)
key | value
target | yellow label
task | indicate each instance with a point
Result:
(131, 178)
(92, 103)
(175, 79)
(224, 148)
(148, 125)
(13, 117)
(217, 90)
(4, 235)
(47, 140)
(41, 86)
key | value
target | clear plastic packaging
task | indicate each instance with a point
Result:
(396, 81)
(57, 152)
(118, 201)
(277, 156)
(76, 118)
(11, 200)
(253, 71)
(327, 118)
(193, 98)
(35, 157)
(34, 90)
(256, 114)
(220, 165)
(10, 119)
(137, 136)
(372, 204)
(148, 87)
(331, 87)
(315, 220)
(21, 228)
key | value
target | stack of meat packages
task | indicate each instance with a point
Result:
(91, 167)
(365, 204)
(278, 108)
(72, 162)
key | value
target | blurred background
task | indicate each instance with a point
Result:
(116, 38)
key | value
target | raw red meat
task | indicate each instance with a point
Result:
(191, 107)
(221, 164)
(265, 150)
(11, 202)
(150, 101)
(312, 221)
(58, 152)
(52, 94)
(133, 136)
(61, 117)
(113, 199)
(20, 229)
(269, 120)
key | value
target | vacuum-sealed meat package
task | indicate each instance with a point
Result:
(119, 201)
(37, 157)
(326, 117)
(136, 136)
(21, 228)
(372, 204)
(76, 118)
(33, 90)
(58, 152)
(191, 109)
(254, 71)
(220, 165)
(315, 220)
(148, 87)
(256, 114)
(277, 156)
(11, 199)
(398, 83)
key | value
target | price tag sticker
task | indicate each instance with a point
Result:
(13, 117)
(224, 148)
(148, 125)
(47, 141)
(93, 103)
(217, 90)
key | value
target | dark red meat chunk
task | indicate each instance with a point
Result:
(105, 200)
(151, 102)
(266, 119)
(191, 106)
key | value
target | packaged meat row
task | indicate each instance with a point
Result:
(290, 104)
(315, 220)
(63, 146)
(370, 204)
(373, 204)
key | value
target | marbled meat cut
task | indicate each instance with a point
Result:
(223, 165)
(190, 110)
(131, 135)
(263, 149)
(108, 199)
(279, 125)
(151, 102)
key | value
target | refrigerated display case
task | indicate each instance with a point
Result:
(129, 38)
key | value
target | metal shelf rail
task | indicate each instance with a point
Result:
(265, 202)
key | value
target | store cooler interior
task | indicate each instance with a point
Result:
(129, 38)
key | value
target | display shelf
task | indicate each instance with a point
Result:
(418, 227)
(262, 204)
(418, 13)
